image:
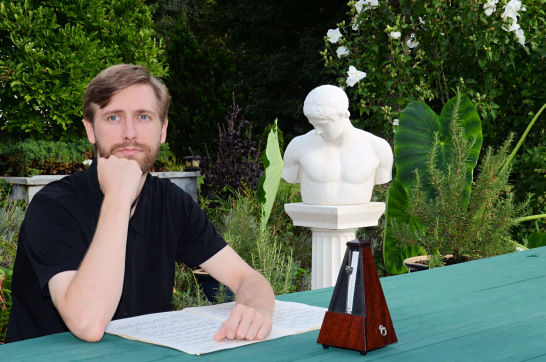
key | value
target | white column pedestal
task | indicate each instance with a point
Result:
(332, 228)
(328, 250)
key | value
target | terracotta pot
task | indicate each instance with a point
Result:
(413, 265)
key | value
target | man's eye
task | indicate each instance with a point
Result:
(144, 117)
(113, 118)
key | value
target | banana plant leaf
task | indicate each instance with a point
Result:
(536, 240)
(269, 181)
(396, 209)
(415, 134)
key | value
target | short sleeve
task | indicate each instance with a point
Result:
(198, 240)
(53, 240)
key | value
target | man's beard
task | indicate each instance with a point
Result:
(146, 163)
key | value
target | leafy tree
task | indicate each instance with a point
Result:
(51, 49)
(276, 44)
(199, 84)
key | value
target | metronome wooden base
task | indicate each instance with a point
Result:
(364, 324)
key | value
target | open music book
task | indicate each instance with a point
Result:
(191, 330)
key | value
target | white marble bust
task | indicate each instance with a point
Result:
(336, 164)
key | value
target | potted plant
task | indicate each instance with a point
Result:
(442, 208)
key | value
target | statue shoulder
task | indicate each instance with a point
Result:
(300, 143)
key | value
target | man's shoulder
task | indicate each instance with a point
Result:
(64, 188)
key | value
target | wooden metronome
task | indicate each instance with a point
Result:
(358, 317)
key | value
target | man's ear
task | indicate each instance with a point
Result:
(164, 130)
(89, 130)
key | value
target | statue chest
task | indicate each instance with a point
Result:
(352, 164)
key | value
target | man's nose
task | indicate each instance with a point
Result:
(129, 131)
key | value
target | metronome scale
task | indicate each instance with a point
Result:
(358, 317)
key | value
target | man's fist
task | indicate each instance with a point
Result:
(119, 177)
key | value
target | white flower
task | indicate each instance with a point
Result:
(421, 20)
(511, 10)
(521, 36)
(412, 43)
(355, 24)
(364, 4)
(395, 122)
(341, 51)
(490, 7)
(395, 34)
(334, 35)
(87, 162)
(358, 6)
(354, 76)
(513, 27)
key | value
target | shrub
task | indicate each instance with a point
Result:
(30, 158)
(425, 50)
(50, 50)
(474, 227)
(198, 84)
(258, 246)
(11, 216)
(237, 164)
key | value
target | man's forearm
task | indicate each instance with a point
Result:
(93, 294)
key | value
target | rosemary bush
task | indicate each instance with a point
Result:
(259, 246)
(472, 228)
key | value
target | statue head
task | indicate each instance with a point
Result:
(327, 108)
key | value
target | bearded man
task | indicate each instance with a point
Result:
(102, 244)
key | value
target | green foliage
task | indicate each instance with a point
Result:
(31, 158)
(236, 166)
(269, 181)
(475, 228)
(393, 253)
(259, 247)
(50, 50)
(275, 44)
(458, 46)
(198, 81)
(536, 240)
(11, 217)
(186, 291)
(419, 127)
(280, 137)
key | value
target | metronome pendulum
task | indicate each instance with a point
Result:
(358, 317)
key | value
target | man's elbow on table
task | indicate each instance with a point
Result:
(87, 332)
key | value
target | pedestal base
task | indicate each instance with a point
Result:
(332, 226)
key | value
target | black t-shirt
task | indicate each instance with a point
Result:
(167, 226)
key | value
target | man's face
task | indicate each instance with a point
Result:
(328, 129)
(129, 127)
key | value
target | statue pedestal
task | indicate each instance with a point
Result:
(332, 228)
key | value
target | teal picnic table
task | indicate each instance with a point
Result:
(486, 310)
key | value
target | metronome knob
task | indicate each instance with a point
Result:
(349, 270)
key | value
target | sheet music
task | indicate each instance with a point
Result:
(192, 329)
(289, 317)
